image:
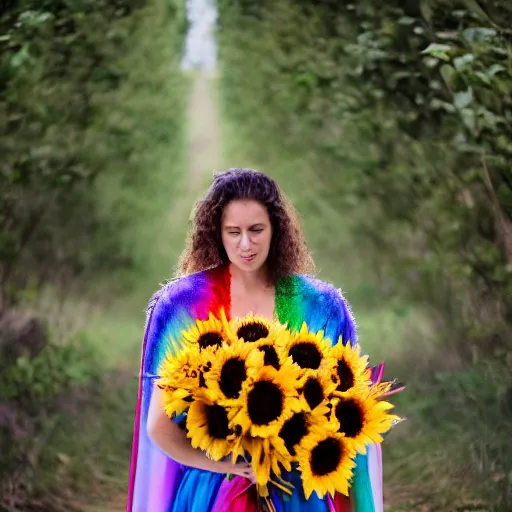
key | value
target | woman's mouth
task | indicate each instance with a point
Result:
(248, 258)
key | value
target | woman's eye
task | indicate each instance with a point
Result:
(233, 232)
(258, 230)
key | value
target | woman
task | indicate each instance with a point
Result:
(246, 253)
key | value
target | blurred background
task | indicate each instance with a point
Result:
(388, 124)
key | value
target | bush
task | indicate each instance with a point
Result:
(39, 397)
(392, 123)
(91, 137)
(84, 102)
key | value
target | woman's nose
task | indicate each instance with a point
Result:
(245, 243)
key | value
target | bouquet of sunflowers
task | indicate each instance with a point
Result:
(252, 388)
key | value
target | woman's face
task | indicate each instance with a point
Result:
(246, 234)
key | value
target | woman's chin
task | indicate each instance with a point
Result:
(244, 265)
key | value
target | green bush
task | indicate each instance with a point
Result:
(85, 101)
(92, 110)
(40, 397)
(389, 125)
(65, 421)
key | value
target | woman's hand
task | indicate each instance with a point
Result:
(244, 469)
(174, 442)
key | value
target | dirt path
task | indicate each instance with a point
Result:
(204, 157)
(204, 132)
(204, 153)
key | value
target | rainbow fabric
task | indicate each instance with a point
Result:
(159, 484)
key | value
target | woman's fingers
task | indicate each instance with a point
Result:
(246, 471)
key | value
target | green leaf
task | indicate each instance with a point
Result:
(483, 77)
(463, 61)
(21, 57)
(438, 50)
(431, 62)
(463, 99)
(34, 18)
(426, 10)
(469, 119)
(437, 104)
(449, 74)
(494, 69)
(478, 34)
(406, 20)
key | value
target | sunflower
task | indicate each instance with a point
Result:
(250, 328)
(267, 455)
(269, 397)
(181, 370)
(175, 401)
(270, 354)
(350, 368)
(269, 346)
(209, 333)
(307, 349)
(264, 334)
(326, 463)
(181, 374)
(208, 427)
(361, 418)
(315, 387)
(301, 424)
(229, 369)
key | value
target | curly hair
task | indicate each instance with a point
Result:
(288, 252)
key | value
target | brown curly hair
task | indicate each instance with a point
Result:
(288, 252)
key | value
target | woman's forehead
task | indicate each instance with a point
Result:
(244, 211)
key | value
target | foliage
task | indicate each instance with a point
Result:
(91, 138)
(31, 380)
(400, 115)
(70, 130)
(39, 396)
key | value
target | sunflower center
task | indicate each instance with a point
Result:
(313, 392)
(270, 358)
(210, 339)
(232, 376)
(326, 457)
(306, 355)
(293, 431)
(217, 419)
(252, 331)
(265, 402)
(349, 414)
(345, 376)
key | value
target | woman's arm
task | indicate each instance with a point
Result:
(172, 440)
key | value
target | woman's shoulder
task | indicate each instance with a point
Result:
(315, 287)
(179, 289)
(327, 297)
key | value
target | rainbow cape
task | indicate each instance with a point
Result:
(159, 484)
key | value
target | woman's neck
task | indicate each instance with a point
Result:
(249, 280)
